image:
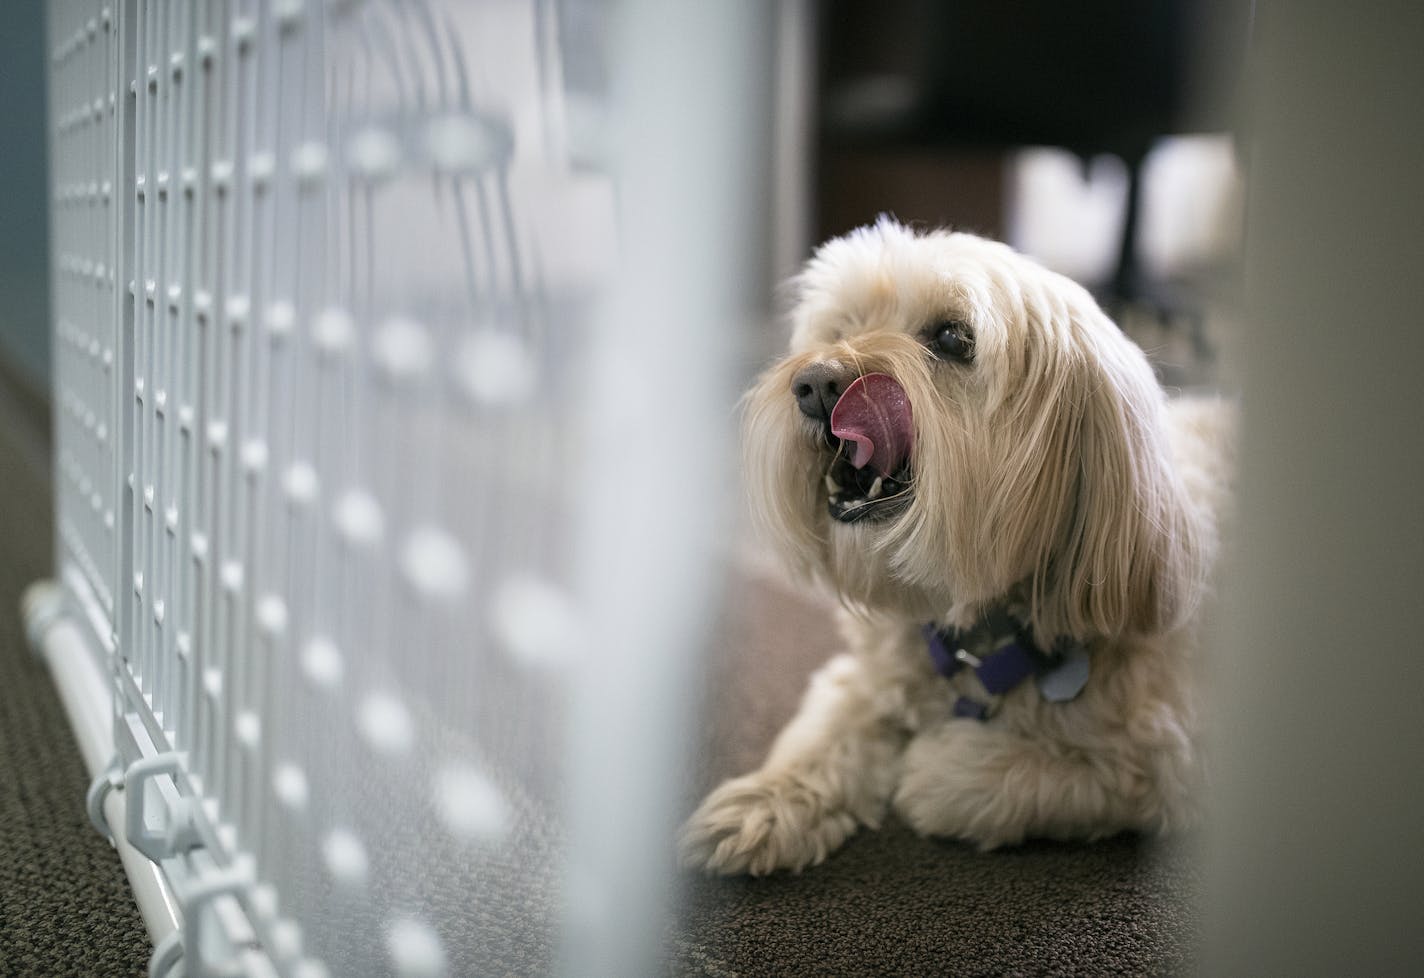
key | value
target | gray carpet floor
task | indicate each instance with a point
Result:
(65, 905)
(889, 903)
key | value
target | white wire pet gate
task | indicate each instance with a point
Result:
(337, 323)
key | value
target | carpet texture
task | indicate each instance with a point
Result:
(65, 905)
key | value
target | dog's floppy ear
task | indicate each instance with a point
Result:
(1125, 556)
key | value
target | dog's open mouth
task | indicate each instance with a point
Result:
(853, 495)
(869, 478)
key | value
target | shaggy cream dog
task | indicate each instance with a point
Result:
(1019, 525)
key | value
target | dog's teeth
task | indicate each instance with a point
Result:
(874, 488)
(831, 485)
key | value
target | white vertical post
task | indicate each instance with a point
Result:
(1315, 863)
(689, 96)
(793, 135)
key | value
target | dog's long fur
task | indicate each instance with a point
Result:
(1051, 471)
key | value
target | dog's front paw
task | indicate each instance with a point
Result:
(759, 823)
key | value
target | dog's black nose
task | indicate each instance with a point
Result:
(818, 386)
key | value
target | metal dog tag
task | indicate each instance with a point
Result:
(1066, 678)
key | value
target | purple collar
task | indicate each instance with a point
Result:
(1002, 654)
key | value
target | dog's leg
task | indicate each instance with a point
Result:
(994, 787)
(830, 770)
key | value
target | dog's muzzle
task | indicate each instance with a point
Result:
(865, 421)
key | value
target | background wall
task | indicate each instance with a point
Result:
(24, 223)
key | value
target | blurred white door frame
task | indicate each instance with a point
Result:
(1316, 857)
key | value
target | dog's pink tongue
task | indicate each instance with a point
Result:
(874, 415)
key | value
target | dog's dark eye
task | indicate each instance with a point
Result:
(951, 340)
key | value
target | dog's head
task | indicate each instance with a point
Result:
(955, 425)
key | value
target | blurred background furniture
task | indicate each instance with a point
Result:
(932, 96)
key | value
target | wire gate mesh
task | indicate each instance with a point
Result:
(324, 275)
